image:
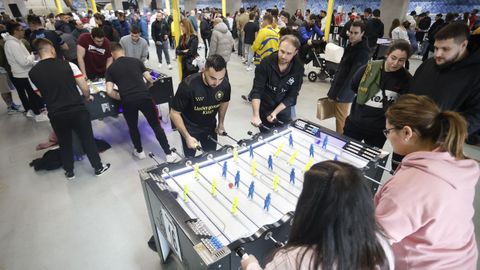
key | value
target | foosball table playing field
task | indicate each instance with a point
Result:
(242, 197)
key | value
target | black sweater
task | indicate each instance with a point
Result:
(273, 87)
(455, 88)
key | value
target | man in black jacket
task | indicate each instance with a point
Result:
(356, 55)
(277, 81)
(451, 78)
(374, 30)
(436, 26)
(160, 33)
(206, 31)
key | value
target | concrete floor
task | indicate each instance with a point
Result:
(47, 222)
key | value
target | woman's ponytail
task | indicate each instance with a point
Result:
(453, 133)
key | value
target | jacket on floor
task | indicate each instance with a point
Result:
(426, 209)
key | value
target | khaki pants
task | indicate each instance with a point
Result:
(341, 113)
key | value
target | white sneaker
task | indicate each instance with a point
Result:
(171, 158)
(169, 66)
(249, 68)
(41, 117)
(30, 114)
(160, 65)
(139, 155)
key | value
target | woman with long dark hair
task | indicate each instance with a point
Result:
(187, 48)
(334, 225)
(426, 208)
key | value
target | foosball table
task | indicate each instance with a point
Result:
(243, 196)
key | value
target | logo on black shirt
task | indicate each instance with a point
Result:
(219, 95)
(291, 81)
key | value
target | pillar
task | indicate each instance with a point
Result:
(292, 5)
(233, 5)
(22, 7)
(189, 5)
(117, 4)
(391, 9)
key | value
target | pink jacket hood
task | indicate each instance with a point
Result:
(444, 167)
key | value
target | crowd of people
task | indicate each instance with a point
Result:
(421, 218)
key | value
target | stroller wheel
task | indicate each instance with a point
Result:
(312, 76)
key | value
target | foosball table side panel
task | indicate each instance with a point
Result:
(171, 232)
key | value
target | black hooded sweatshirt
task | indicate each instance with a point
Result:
(456, 87)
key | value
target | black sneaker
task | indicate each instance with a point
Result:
(70, 175)
(102, 170)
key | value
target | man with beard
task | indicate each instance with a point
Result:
(451, 78)
(278, 79)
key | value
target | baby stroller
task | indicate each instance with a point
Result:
(328, 62)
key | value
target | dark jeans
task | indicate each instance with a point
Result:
(163, 48)
(149, 110)
(207, 145)
(29, 99)
(79, 122)
(376, 139)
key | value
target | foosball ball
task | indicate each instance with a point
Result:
(242, 198)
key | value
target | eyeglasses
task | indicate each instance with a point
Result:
(387, 131)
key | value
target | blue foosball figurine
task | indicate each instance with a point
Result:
(266, 204)
(292, 176)
(251, 190)
(312, 150)
(237, 179)
(270, 162)
(290, 140)
(224, 169)
(325, 142)
(251, 151)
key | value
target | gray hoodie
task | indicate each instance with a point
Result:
(18, 57)
(221, 42)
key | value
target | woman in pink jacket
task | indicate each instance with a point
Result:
(426, 208)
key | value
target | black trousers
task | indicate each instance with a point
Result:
(376, 139)
(205, 44)
(207, 145)
(29, 99)
(149, 110)
(79, 122)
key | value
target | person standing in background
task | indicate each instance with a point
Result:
(134, 45)
(242, 19)
(160, 34)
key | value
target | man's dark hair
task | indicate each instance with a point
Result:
(135, 29)
(251, 16)
(115, 46)
(268, 17)
(97, 32)
(12, 26)
(368, 10)
(376, 13)
(475, 11)
(440, 15)
(413, 13)
(274, 12)
(285, 14)
(449, 17)
(313, 17)
(242, 10)
(458, 31)
(359, 24)
(216, 62)
(34, 19)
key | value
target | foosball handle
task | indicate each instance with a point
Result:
(241, 253)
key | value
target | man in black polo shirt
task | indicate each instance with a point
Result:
(128, 73)
(56, 80)
(38, 31)
(196, 103)
(277, 81)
